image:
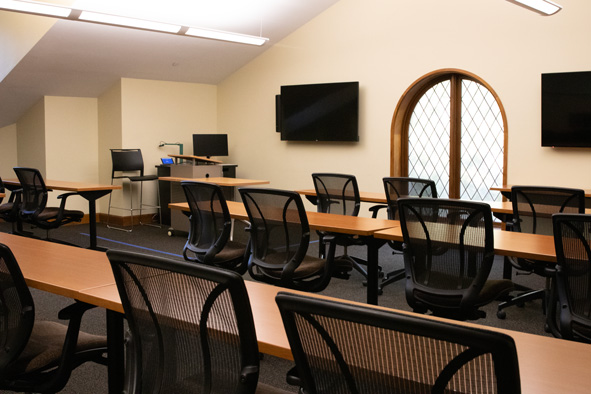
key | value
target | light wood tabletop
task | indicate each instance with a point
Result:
(221, 181)
(547, 365)
(195, 159)
(68, 186)
(506, 190)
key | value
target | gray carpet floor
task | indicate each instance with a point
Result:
(92, 378)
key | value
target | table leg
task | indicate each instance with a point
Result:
(116, 354)
(92, 196)
(373, 246)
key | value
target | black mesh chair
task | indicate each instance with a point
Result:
(33, 208)
(339, 194)
(343, 348)
(9, 211)
(211, 228)
(448, 255)
(533, 207)
(39, 356)
(280, 237)
(395, 188)
(191, 327)
(569, 316)
(128, 164)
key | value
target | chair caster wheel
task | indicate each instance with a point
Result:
(501, 315)
(170, 233)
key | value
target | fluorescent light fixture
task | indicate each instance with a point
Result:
(128, 22)
(226, 36)
(45, 9)
(544, 7)
(35, 8)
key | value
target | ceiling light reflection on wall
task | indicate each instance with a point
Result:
(44, 9)
(544, 7)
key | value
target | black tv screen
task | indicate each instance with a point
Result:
(320, 112)
(210, 145)
(566, 109)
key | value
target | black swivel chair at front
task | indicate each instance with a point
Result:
(339, 194)
(395, 188)
(343, 348)
(448, 255)
(129, 164)
(211, 228)
(39, 356)
(279, 239)
(571, 318)
(33, 208)
(192, 329)
(533, 207)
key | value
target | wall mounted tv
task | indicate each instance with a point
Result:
(210, 145)
(319, 112)
(566, 109)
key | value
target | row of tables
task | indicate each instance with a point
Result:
(547, 365)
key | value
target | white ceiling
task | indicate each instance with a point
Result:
(84, 59)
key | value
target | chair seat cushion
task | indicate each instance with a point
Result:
(6, 208)
(493, 289)
(50, 213)
(309, 267)
(232, 251)
(139, 178)
(45, 346)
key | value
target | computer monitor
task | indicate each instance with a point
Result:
(210, 145)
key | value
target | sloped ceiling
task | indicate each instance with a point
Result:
(83, 59)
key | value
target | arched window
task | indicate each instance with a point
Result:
(450, 126)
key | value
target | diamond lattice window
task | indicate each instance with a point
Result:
(480, 136)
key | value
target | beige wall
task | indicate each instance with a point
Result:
(8, 151)
(150, 112)
(386, 45)
(71, 138)
(30, 142)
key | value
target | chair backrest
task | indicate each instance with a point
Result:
(127, 160)
(211, 224)
(337, 193)
(191, 324)
(17, 310)
(397, 187)
(572, 239)
(533, 206)
(448, 253)
(34, 191)
(279, 229)
(344, 348)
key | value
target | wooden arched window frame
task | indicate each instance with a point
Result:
(404, 111)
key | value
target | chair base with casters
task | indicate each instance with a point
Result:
(142, 205)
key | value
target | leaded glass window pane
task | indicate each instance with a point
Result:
(429, 138)
(482, 141)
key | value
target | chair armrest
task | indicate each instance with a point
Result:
(375, 209)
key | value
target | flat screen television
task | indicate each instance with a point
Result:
(210, 145)
(566, 109)
(319, 112)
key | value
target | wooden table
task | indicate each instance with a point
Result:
(221, 181)
(547, 365)
(506, 190)
(89, 191)
(354, 225)
(194, 159)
